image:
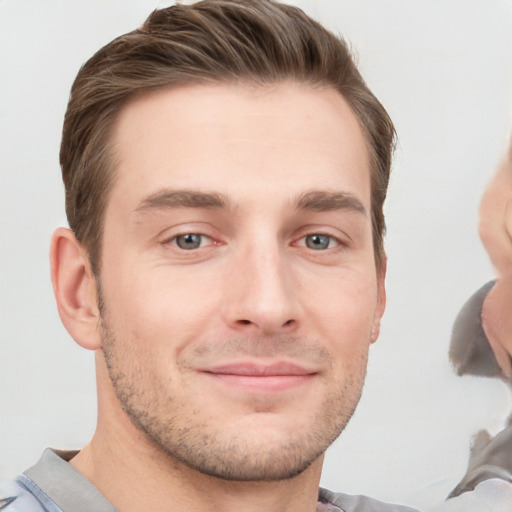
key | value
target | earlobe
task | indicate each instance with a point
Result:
(74, 286)
(381, 299)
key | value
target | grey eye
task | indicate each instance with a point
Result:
(189, 241)
(318, 242)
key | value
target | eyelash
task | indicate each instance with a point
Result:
(332, 241)
(175, 241)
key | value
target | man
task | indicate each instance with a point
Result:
(225, 170)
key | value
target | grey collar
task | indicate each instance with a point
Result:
(65, 486)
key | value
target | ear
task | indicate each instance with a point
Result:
(381, 298)
(74, 286)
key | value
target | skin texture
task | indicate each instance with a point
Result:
(495, 230)
(226, 368)
(495, 224)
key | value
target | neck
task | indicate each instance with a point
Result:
(133, 474)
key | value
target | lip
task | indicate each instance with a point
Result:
(258, 377)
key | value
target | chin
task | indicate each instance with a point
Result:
(260, 447)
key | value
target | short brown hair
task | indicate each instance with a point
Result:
(226, 41)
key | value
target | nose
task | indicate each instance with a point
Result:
(261, 292)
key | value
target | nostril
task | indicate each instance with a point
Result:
(266, 325)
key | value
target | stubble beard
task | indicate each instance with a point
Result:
(172, 425)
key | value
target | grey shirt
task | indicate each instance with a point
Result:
(53, 485)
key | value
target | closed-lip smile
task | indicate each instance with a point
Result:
(261, 377)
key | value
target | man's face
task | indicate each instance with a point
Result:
(238, 278)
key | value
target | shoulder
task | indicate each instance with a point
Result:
(16, 497)
(494, 495)
(350, 503)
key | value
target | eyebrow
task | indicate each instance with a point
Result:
(315, 200)
(183, 199)
(322, 201)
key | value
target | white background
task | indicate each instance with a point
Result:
(443, 69)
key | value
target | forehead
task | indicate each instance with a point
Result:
(240, 140)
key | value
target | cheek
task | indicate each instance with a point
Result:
(343, 319)
(344, 308)
(158, 306)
